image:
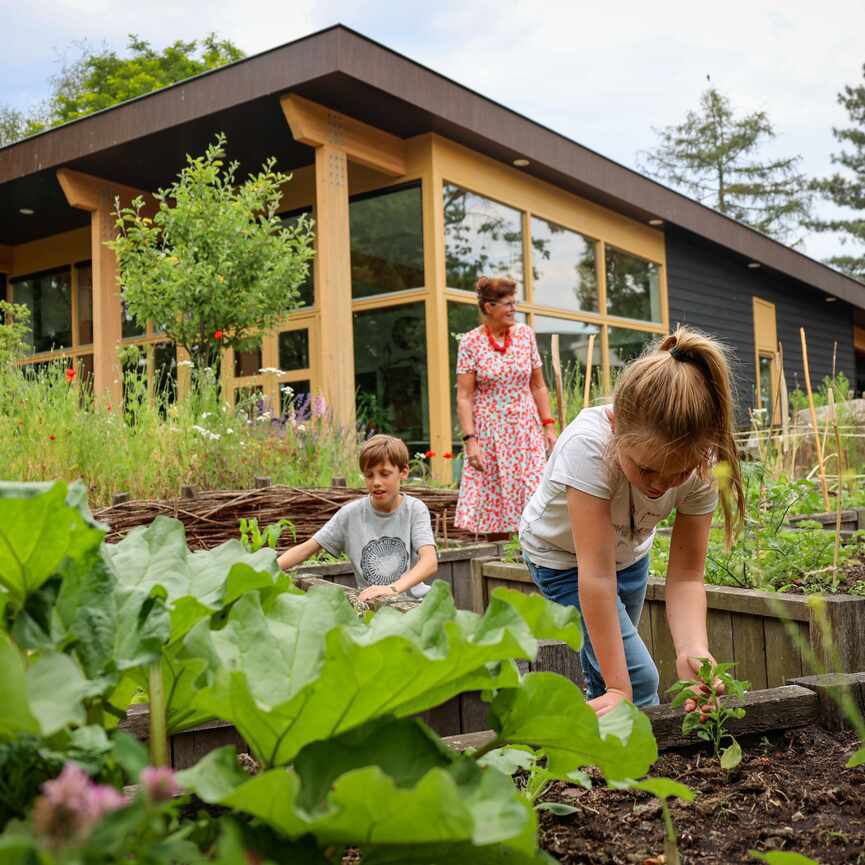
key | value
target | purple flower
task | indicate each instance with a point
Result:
(159, 783)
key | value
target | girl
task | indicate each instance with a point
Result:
(613, 476)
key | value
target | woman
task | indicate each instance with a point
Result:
(504, 411)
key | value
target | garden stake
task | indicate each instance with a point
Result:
(445, 526)
(557, 375)
(813, 412)
(838, 498)
(158, 730)
(588, 382)
(785, 404)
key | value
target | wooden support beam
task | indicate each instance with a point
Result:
(5, 258)
(100, 198)
(316, 125)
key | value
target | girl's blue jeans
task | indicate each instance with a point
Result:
(561, 586)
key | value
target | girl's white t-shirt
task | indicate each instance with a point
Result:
(579, 460)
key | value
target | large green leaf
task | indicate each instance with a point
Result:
(547, 621)
(15, 714)
(41, 525)
(309, 669)
(783, 857)
(56, 689)
(548, 711)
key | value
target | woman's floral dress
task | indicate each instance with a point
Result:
(508, 429)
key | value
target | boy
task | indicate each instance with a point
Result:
(387, 534)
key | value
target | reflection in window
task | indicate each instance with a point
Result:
(84, 364)
(482, 238)
(625, 345)
(48, 296)
(564, 271)
(247, 362)
(130, 327)
(293, 349)
(632, 286)
(573, 349)
(85, 304)
(386, 242)
(462, 317)
(306, 290)
(165, 371)
(391, 372)
(765, 381)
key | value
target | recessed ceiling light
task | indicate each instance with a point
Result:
(830, 299)
(522, 162)
(753, 264)
(26, 211)
(656, 222)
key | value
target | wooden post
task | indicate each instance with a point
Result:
(588, 384)
(813, 411)
(262, 483)
(187, 492)
(119, 498)
(338, 482)
(445, 526)
(557, 375)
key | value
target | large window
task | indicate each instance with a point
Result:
(564, 268)
(307, 289)
(632, 286)
(85, 303)
(390, 367)
(625, 345)
(482, 238)
(49, 298)
(573, 351)
(386, 241)
(462, 317)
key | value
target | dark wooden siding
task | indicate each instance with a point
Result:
(712, 289)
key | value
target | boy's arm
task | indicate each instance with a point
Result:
(293, 556)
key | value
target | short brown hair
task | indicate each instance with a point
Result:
(383, 449)
(491, 289)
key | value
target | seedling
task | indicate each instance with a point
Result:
(710, 716)
(254, 538)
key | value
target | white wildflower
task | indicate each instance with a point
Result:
(300, 428)
(206, 433)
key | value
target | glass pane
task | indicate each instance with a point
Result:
(130, 327)
(296, 400)
(85, 304)
(253, 402)
(564, 267)
(247, 362)
(482, 238)
(765, 378)
(625, 345)
(632, 286)
(48, 297)
(165, 371)
(306, 288)
(293, 349)
(573, 350)
(462, 317)
(84, 363)
(386, 242)
(391, 372)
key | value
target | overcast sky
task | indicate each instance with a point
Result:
(602, 73)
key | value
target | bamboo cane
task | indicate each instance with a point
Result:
(838, 495)
(785, 404)
(557, 376)
(588, 383)
(813, 412)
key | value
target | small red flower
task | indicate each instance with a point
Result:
(430, 454)
(217, 334)
(109, 406)
(70, 374)
(52, 437)
(447, 455)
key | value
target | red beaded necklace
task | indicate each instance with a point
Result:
(501, 349)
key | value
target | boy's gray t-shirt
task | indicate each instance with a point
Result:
(381, 546)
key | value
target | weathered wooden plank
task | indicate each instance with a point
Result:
(554, 656)
(478, 591)
(189, 747)
(474, 712)
(837, 694)
(644, 628)
(665, 652)
(719, 627)
(444, 719)
(515, 572)
(470, 740)
(840, 647)
(783, 656)
(445, 572)
(462, 584)
(749, 650)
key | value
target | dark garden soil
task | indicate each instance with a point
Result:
(791, 792)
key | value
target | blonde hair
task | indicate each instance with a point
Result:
(491, 289)
(679, 395)
(383, 449)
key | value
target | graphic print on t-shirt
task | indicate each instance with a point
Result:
(383, 560)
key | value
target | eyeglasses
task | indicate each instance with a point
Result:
(507, 304)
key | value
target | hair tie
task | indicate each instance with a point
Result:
(680, 355)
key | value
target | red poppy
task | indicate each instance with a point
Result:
(430, 454)
(51, 438)
(70, 373)
(217, 334)
(109, 407)
(448, 455)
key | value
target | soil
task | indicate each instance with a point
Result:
(791, 792)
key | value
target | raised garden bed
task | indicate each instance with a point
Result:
(745, 626)
(851, 520)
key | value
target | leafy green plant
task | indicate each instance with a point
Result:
(253, 538)
(512, 551)
(713, 681)
(782, 857)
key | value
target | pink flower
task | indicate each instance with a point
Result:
(159, 783)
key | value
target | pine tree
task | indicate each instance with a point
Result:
(713, 157)
(848, 191)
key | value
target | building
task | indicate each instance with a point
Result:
(417, 186)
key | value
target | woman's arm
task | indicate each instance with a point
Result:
(541, 396)
(465, 412)
(424, 568)
(595, 541)
(293, 556)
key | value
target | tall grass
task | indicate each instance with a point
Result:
(149, 447)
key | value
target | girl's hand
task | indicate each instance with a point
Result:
(607, 701)
(371, 592)
(473, 455)
(550, 437)
(687, 667)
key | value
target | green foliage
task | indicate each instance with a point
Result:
(215, 265)
(713, 157)
(709, 718)
(14, 326)
(782, 857)
(847, 190)
(253, 538)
